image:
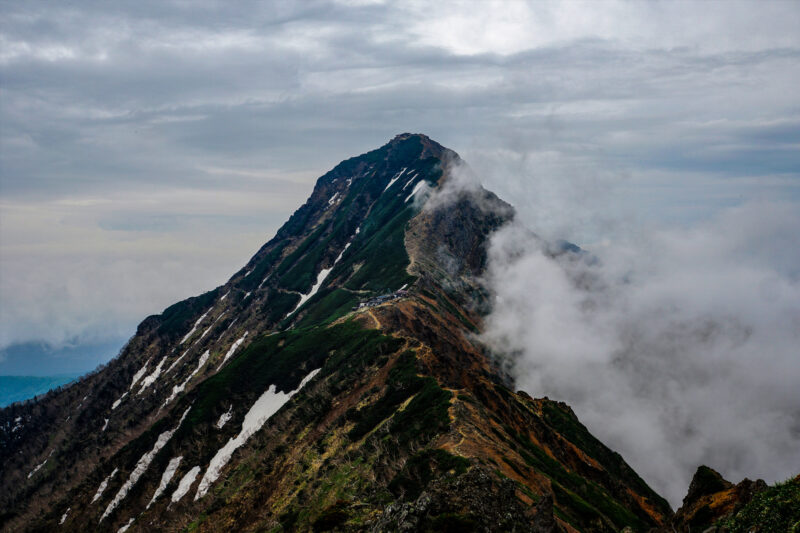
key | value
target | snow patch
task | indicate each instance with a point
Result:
(39, 467)
(194, 328)
(320, 279)
(263, 281)
(138, 375)
(177, 389)
(118, 401)
(418, 187)
(333, 199)
(141, 466)
(64, 516)
(105, 424)
(152, 377)
(176, 361)
(233, 348)
(394, 179)
(166, 477)
(411, 178)
(306, 297)
(103, 486)
(36, 469)
(339, 257)
(224, 296)
(211, 326)
(223, 419)
(185, 484)
(263, 408)
(124, 528)
(246, 295)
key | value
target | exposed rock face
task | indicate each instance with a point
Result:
(543, 519)
(336, 418)
(712, 499)
(474, 501)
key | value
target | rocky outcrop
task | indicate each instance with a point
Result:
(475, 501)
(712, 499)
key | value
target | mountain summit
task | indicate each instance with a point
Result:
(333, 384)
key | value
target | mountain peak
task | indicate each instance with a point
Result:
(333, 383)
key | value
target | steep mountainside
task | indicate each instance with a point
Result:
(334, 383)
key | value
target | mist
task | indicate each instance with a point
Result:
(675, 346)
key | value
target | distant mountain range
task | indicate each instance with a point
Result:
(18, 388)
(336, 383)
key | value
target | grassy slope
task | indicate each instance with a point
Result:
(775, 509)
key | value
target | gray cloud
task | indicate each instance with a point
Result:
(176, 136)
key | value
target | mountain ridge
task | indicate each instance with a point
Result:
(277, 401)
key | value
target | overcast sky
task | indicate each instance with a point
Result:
(149, 148)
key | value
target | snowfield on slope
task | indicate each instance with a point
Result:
(141, 467)
(185, 484)
(394, 179)
(152, 377)
(223, 419)
(267, 405)
(102, 488)
(38, 467)
(177, 389)
(320, 279)
(166, 477)
(194, 328)
(233, 348)
(138, 375)
(421, 184)
(125, 528)
(178, 360)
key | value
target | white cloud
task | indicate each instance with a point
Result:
(678, 348)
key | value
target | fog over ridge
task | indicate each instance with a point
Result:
(676, 348)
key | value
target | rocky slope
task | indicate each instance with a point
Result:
(278, 402)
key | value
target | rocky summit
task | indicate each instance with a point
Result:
(335, 383)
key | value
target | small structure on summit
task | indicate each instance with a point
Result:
(382, 299)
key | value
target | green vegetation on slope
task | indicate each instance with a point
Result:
(326, 306)
(422, 418)
(775, 510)
(422, 468)
(581, 500)
(177, 319)
(283, 359)
(570, 427)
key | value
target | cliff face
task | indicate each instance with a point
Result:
(713, 500)
(334, 383)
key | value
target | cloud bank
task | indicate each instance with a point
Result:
(676, 348)
(147, 149)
